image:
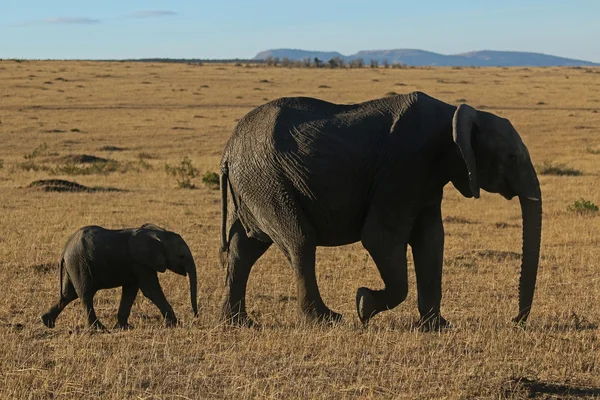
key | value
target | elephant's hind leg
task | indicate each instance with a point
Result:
(243, 253)
(301, 254)
(127, 299)
(67, 296)
(296, 237)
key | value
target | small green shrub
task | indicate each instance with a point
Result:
(143, 163)
(211, 179)
(42, 149)
(583, 206)
(549, 168)
(592, 150)
(30, 165)
(183, 173)
(98, 167)
(146, 156)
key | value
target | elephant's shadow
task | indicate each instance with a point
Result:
(537, 388)
(575, 322)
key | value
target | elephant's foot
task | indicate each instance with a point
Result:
(433, 323)
(48, 320)
(238, 317)
(367, 305)
(322, 315)
(98, 327)
(520, 320)
(123, 326)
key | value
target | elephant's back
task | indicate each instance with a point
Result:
(298, 153)
(92, 242)
(266, 128)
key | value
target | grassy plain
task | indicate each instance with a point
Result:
(159, 113)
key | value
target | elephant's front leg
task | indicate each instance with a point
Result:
(388, 250)
(427, 243)
(151, 289)
(127, 299)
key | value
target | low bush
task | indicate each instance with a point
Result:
(41, 150)
(99, 167)
(549, 168)
(583, 206)
(593, 150)
(183, 173)
(211, 179)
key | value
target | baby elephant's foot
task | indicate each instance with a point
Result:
(434, 323)
(123, 326)
(171, 322)
(98, 327)
(48, 320)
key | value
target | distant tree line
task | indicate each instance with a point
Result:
(335, 62)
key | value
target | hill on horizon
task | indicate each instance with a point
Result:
(416, 57)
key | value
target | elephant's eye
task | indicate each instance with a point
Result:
(513, 157)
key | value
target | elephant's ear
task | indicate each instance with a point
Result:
(464, 119)
(146, 248)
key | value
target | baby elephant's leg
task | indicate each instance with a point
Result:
(68, 294)
(151, 289)
(127, 298)
(87, 299)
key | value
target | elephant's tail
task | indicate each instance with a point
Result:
(61, 267)
(224, 244)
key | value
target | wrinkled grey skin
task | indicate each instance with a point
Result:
(96, 258)
(305, 173)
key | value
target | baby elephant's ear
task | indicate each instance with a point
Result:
(146, 248)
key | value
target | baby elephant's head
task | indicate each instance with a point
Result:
(160, 250)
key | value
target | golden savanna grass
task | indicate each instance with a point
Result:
(169, 111)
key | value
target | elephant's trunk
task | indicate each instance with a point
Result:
(191, 271)
(531, 210)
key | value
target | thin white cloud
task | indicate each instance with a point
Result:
(152, 14)
(62, 21)
(71, 20)
(93, 21)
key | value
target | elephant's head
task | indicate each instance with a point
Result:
(160, 250)
(498, 162)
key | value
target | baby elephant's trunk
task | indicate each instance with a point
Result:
(191, 271)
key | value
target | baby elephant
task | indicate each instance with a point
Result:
(96, 258)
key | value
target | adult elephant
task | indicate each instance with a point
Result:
(305, 173)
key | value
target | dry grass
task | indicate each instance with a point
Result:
(118, 111)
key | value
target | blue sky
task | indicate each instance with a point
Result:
(42, 29)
